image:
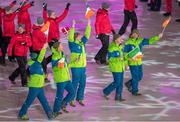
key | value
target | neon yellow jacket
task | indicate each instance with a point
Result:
(36, 71)
(77, 48)
(116, 58)
(140, 42)
(60, 74)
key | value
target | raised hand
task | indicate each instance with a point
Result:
(45, 6)
(45, 45)
(73, 23)
(68, 5)
(160, 35)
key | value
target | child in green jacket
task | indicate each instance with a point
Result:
(36, 85)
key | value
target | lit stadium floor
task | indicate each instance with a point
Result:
(160, 86)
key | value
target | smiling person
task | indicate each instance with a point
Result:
(54, 33)
(78, 61)
(133, 51)
(20, 44)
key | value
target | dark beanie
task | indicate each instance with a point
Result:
(105, 5)
(50, 12)
(40, 21)
(7, 9)
(56, 45)
(76, 35)
(21, 26)
(116, 36)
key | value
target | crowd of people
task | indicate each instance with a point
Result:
(17, 43)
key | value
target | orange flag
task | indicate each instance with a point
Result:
(45, 28)
(89, 12)
(166, 22)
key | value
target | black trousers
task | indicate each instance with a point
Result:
(102, 54)
(156, 5)
(21, 70)
(4, 46)
(129, 16)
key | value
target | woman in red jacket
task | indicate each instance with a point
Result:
(8, 30)
(20, 44)
(103, 30)
(24, 16)
(129, 14)
(39, 39)
(54, 33)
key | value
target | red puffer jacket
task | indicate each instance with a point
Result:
(2, 11)
(39, 38)
(103, 24)
(54, 32)
(24, 17)
(129, 5)
(20, 43)
(8, 24)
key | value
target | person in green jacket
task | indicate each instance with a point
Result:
(62, 79)
(78, 61)
(134, 53)
(36, 85)
(117, 67)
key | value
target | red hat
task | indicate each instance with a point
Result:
(65, 30)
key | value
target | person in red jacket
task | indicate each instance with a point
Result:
(103, 30)
(24, 16)
(168, 8)
(54, 33)
(129, 14)
(2, 12)
(20, 44)
(39, 39)
(8, 30)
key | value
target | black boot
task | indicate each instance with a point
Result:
(167, 14)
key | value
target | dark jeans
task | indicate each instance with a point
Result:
(102, 54)
(22, 61)
(127, 17)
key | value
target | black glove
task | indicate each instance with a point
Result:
(113, 31)
(45, 6)
(17, 10)
(14, 2)
(23, 43)
(179, 4)
(32, 3)
(136, 6)
(67, 6)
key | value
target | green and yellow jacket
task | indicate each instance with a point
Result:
(77, 48)
(116, 58)
(37, 75)
(60, 74)
(132, 43)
